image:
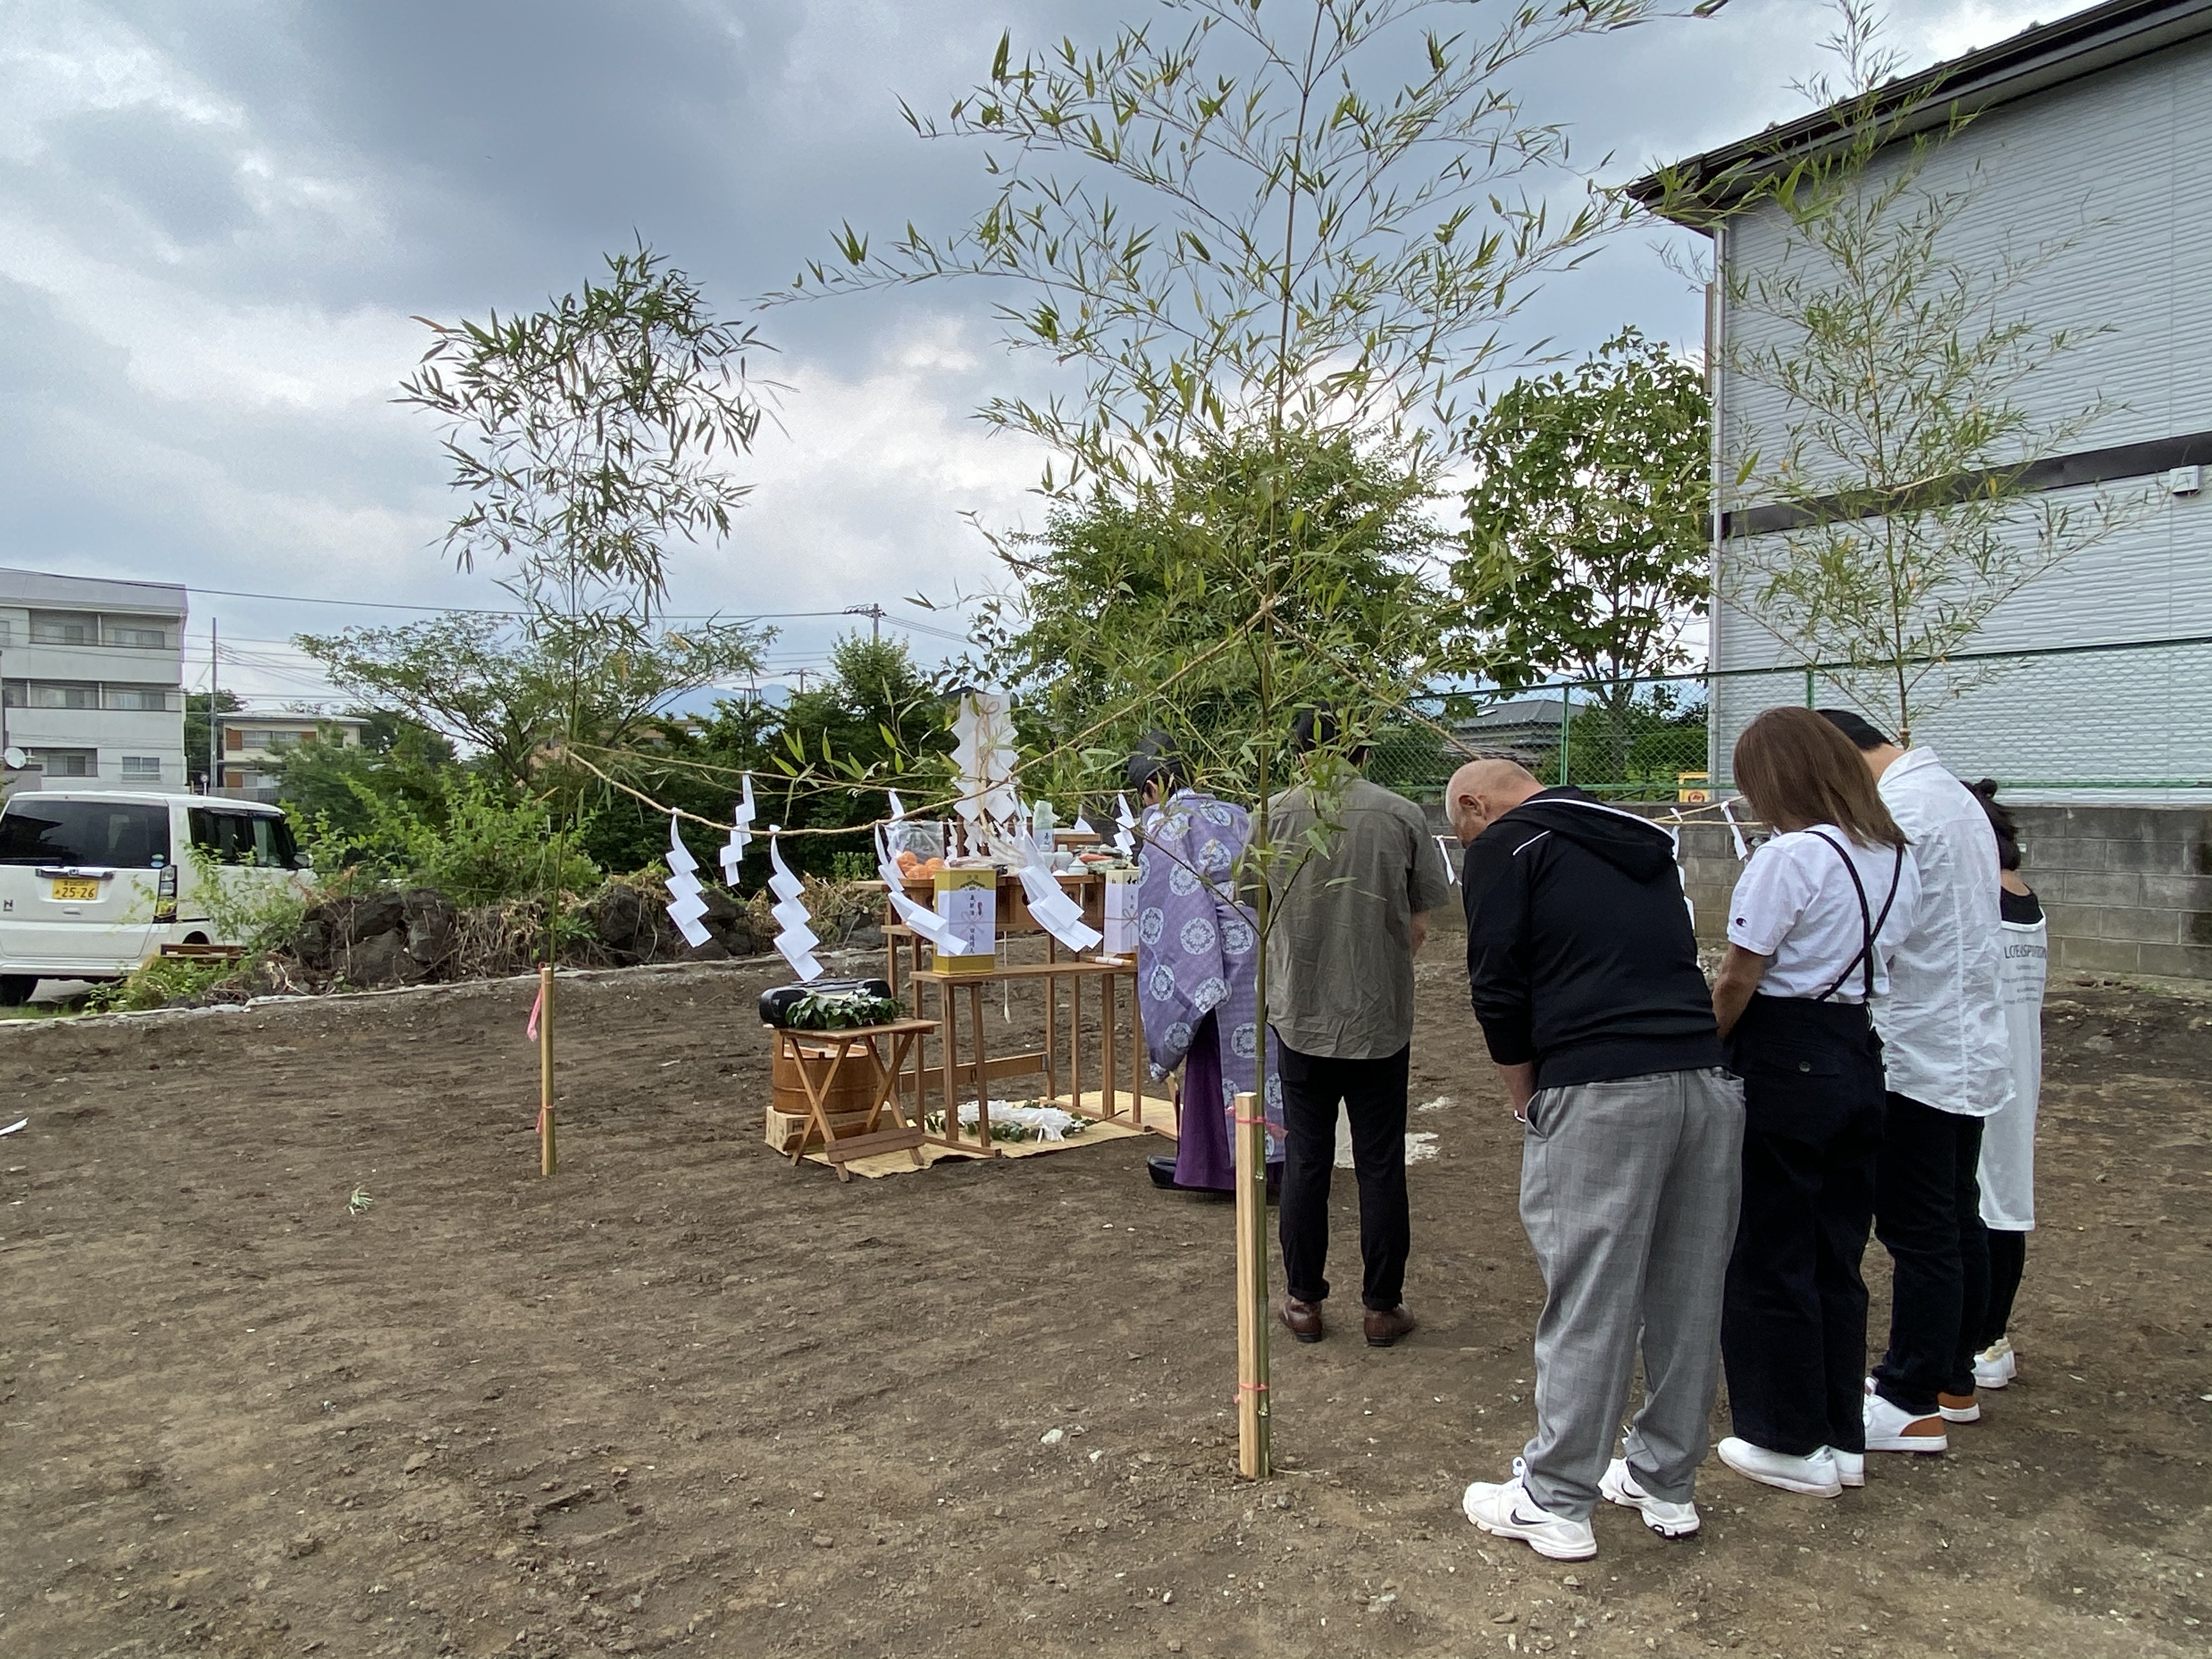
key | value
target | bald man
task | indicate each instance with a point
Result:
(1584, 975)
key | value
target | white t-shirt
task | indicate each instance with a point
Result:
(1795, 902)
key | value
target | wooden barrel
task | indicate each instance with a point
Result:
(847, 1104)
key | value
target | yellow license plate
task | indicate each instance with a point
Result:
(77, 887)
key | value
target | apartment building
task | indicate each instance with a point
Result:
(253, 747)
(91, 683)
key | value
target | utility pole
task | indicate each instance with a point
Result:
(215, 725)
(802, 682)
(875, 614)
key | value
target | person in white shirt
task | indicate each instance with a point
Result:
(1948, 1063)
(2007, 1171)
(1815, 921)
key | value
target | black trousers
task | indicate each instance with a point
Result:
(1794, 1317)
(1927, 1214)
(2008, 1261)
(1373, 1095)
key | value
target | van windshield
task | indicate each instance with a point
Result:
(111, 834)
(261, 839)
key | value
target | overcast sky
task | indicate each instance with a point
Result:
(218, 218)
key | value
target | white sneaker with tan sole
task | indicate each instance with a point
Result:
(1892, 1428)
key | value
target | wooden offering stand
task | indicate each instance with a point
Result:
(819, 1061)
(965, 1069)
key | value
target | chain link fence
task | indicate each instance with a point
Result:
(2131, 720)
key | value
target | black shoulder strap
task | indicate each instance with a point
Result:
(1871, 925)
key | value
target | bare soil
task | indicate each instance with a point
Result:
(684, 1397)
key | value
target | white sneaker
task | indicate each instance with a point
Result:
(1510, 1512)
(1996, 1365)
(1814, 1475)
(1892, 1428)
(1668, 1520)
(1850, 1466)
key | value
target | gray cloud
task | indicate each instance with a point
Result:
(216, 221)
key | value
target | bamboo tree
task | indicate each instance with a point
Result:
(1247, 253)
(585, 435)
(1902, 362)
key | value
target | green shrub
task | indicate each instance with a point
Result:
(156, 983)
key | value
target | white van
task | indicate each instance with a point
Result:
(93, 883)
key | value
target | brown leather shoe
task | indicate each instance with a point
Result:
(1302, 1319)
(1385, 1329)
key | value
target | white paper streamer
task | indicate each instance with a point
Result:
(897, 810)
(685, 906)
(922, 919)
(1727, 812)
(796, 940)
(1051, 908)
(1125, 838)
(741, 834)
(1682, 873)
(1081, 826)
(983, 752)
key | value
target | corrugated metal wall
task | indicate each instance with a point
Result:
(2122, 163)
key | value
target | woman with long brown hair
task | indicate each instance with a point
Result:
(1812, 925)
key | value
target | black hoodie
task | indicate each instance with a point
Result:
(1579, 951)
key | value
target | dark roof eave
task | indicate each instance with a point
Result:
(2048, 55)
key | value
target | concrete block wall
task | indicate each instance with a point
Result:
(2127, 890)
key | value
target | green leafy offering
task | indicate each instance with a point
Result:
(842, 1012)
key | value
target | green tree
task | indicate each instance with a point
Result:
(514, 694)
(1899, 358)
(1119, 576)
(196, 706)
(1588, 530)
(397, 760)
(875, 722)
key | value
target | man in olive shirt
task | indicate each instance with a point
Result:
(1355, 877)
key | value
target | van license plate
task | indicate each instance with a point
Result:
(77, 887)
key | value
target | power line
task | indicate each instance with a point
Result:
(493, 610)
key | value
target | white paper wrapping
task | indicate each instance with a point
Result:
(685, 906)
(1125, 838)
(795, 939)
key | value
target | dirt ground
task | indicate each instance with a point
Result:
(683, 1397)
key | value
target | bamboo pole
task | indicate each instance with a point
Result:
(548, 1158)
(1254, 1457)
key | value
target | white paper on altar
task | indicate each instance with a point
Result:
(1125, 838)
(1121, 913)
(685, 906)
(796, 940)
(1051, 908)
